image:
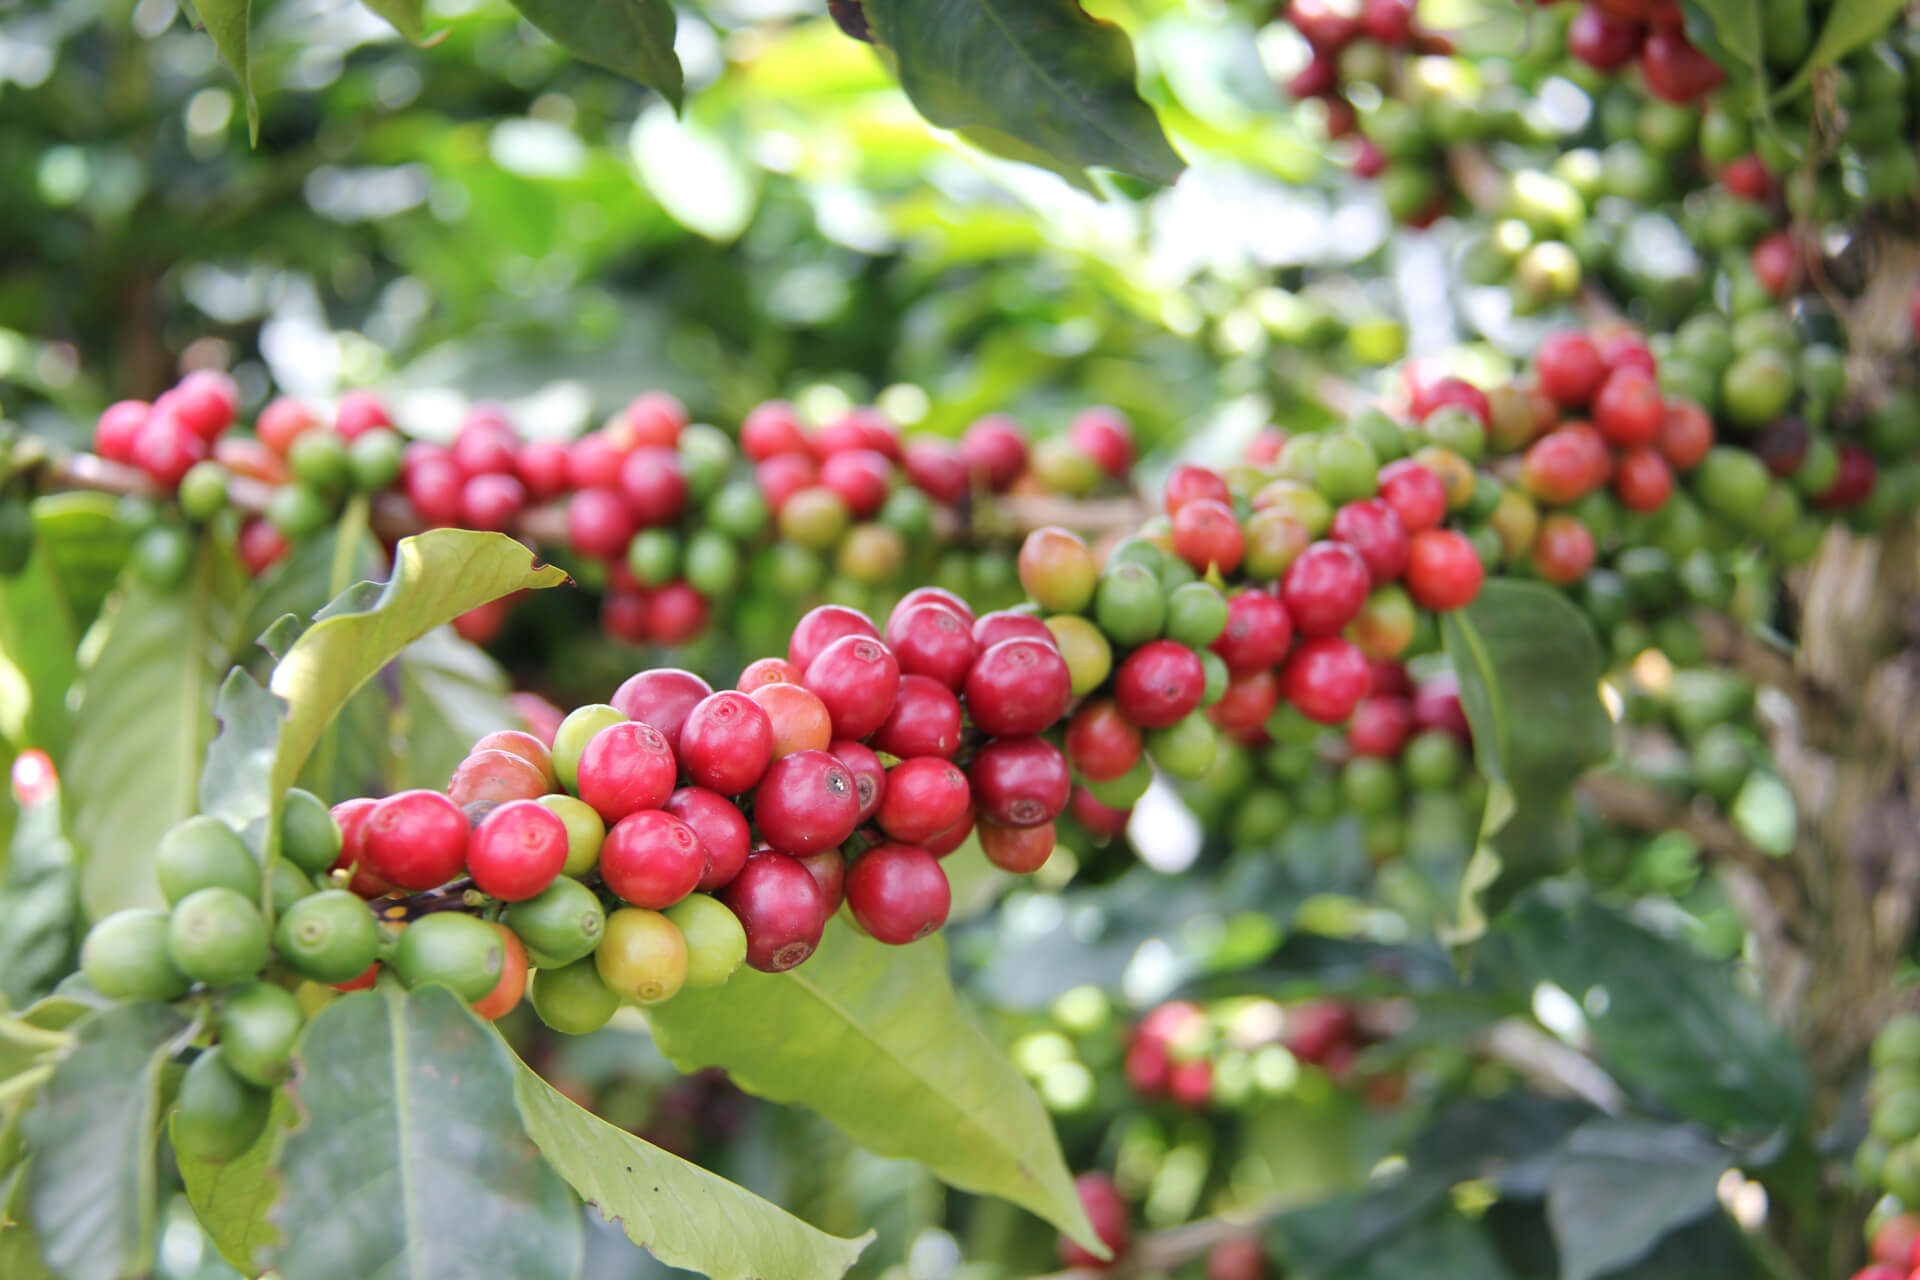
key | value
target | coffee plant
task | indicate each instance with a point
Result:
(1284, 647)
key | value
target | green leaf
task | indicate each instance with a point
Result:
(1849, 24)
(19, 1250)
(1529, 668)
(90, 1186)
(1733, 34)
(872, 1038)
(38, 639)
(631, 37)
(407, 1135)
(1039, 78)
(232, 1200)
(437, 576)
(142, 726)
(1408, 1228)
(39, 905)
(679, 1212)
(451, 693)
(1619, 1187)
(1668, 1022)
(86, 545)
(228, 22)
(236, 783)
(405, 15)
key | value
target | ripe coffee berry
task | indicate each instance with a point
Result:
(799, 719)
(1018, 851)
(1190, 483)
(829, 870)
(1415, 493)
(1245, 706)
(1443, 570)
(1381, 725)
(767, 671)
(726, 742)
(1101, 742)
(1018, 687)
(1642, 480)
(1686, 435)
(935, 595)
(1159, 683)
(415, 839)
(924, 797)
(990, 629)
(661, 697)
(857, 678)
(1325, 678)
(806, 803)
(653, 485)
(780, 907)
(1239, 1258)
(898, 893)
(994, 450)
(821, 627)
(925, 720)
(1570, 369)
(652, 859)
(1104, 435)
(935, 466)
(625, 768)
(1020, 782)
(1628, 409)
(1206, 535)
(1324, 588)
(952, 838)
(598, 523)
(516, 851)
(1563, 550)
(869, 775)
(861, 478)
(1373, 528)
(495, 777)
(1106, 1210)
(932, 639)
(725, 838)
(1560, 468)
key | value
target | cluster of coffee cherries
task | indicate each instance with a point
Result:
(1173, 1051)
(1610, 35)
(668, 513)
(1889, 1158)
(1238, 1257)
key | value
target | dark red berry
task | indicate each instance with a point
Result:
(924, 797)
(925, 721)
(898, 893)
(1018, 687)
(1020, 782)
(1159, 683)
(990, 629)
(625, 768)
(1443, 570)
(1325, 588)
(807, 802)
(1325, 678)
(1101, 1199)
(858, 679)
(517, 850)
(1190, 483)
(1380, 726)
(1415, 493)
(726, 742)
(652, 859)
(416, 839)
(1373, 528)
(869, 775)
(1019, 851)
(1102, 743)
(780, 907)
(820, 627)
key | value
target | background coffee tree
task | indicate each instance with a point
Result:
(1652, 1061)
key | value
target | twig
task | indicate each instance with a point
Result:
(1625, 802)
(1546, 1061)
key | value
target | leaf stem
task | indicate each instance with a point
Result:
(26, 1082)
(25, 1033)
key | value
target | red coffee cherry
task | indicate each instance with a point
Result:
(1102, 743)
(780, 907)
(1243, 709)
(869, 775)
(936, 467)
(1628, 408)
(434, 487)
(598, 523)
(1020, 782)
(360, 412)
(726, 742)
(205, 402)
(934, 640)
(485, 445)
(1159, 683)
(806, 803)
(351, 817)
(416, 839)
(1239, 1258)
(1603, 42)
(542, 468)
(517, 850)
(770, 428)
(952, 838)
(662, 697)
(924, 797)
(625, 768)
(725, 838)
(1018, 851)
(652, 859)
(829, 870)
(1018, 687)
(935, 595)
(782, 476)
(1443, 570)
(858, 679)
(165, 449)
(861, 477)
(1642, 480)
(1563, 550)
(1415, 493)
(623, 615)
(1559, 468)
(925, 721)
(767, 671)
(1381, 725)
(1325, 678)
(1190, 483)
(1105, 1208)
(1206, 535)
(1325, 588)
(676, 613)
(1102, 821)
(1105, 435)
(654, 418)
(593, 462)
(990, 629)
(495, 777)
(994, 450)
(118, 424)
(820, 627)
(654, 486)
(898, 893)
(261, 546)
(1569, 368)
(1373, 528)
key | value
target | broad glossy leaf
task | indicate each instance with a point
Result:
(86, 546)
(142, 726)
(1668, 1022)
(19, 1250)
(1619, 1187)
(437, 576)
(872, 1038)
(406, 1129)
(1037, 78)
(1849, 24)
(232, 1200)
(1529, 668)
(405, 15)
(236, 785)
(90, 1184)
(1408, 1228)
(230, 23)
(677, 1211)
(450, 693)
(38, 639)
(39, 905)
(1733, 33)
(632, 37)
